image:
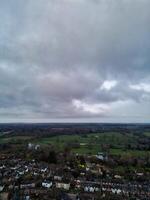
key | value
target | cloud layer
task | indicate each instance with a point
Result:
(77, 60)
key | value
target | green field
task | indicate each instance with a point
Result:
(14, 139)
(113, 143)
(94, 143)
(147, 134)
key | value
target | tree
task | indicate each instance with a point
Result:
(52, 157)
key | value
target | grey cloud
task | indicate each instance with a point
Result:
(55, 52)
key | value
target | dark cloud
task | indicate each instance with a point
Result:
(75, 59)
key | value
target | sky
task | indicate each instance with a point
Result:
(75, 61)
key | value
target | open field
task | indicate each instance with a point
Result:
(14, 139)
(94, 143)
(147, 134)
(113, 143)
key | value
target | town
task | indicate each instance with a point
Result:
(31, 170)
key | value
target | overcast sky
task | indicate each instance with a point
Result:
(75, 60)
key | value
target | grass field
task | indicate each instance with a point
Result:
(93, 143)
(147, 134)
(14, 139)
(87, 143)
